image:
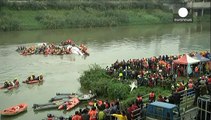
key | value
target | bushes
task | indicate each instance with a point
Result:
(70, 4)
(50, 21)
(98, 81)
(92, 18)
(205, 18)
(82, 18)
(30, 5)
(153, 16)
(8, 22)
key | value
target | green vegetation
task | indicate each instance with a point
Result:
(8, 24)
(105, 86)
(55, 14)
(72, 4)
(205, 18)
(97, 80)
(54, 19)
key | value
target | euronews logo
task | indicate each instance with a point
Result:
(183, 16)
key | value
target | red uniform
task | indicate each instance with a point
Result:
(190, 85)
(209, 80)
(92, 115)
(76, 117)
(152, 96)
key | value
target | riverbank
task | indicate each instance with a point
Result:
(111, 88)
(81, 18)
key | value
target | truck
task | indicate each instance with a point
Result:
(167, 111)
(162, 111)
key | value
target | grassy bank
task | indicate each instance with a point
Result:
(105, 86)
(48, 14)
(54, 19)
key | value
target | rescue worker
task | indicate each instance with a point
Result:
(151, 96)
(6, 84)
(77, 116)
(16, 82)
(69, 42)
(161, 99)
(93, 114)
(139, 101)
(50, 117)
(32, 77)
(196, 70)
(121, 116)
(101, 115)
(40, 78)
(120, 76)
(190, 84)
(181, 87)
(11, 83)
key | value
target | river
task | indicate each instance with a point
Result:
(105, 45)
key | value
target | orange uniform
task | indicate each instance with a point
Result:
(92, 115)
(76, 117)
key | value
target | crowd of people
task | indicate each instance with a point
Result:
(155, 70)
(66, 47)
(100, 110)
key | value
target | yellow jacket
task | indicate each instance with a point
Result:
(120, 117)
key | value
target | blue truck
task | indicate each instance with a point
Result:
(162, 111)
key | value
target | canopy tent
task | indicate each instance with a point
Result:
(186, 59)
(200, 58)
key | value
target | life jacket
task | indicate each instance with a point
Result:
(95, 104)
(100, 103)
(190, 85)
(151, 96)
(77, 117)
(50, 118)
(120, 74)
(196, 69)
(106, 105)
(93, 115)
(139, 99)
(209, 80)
